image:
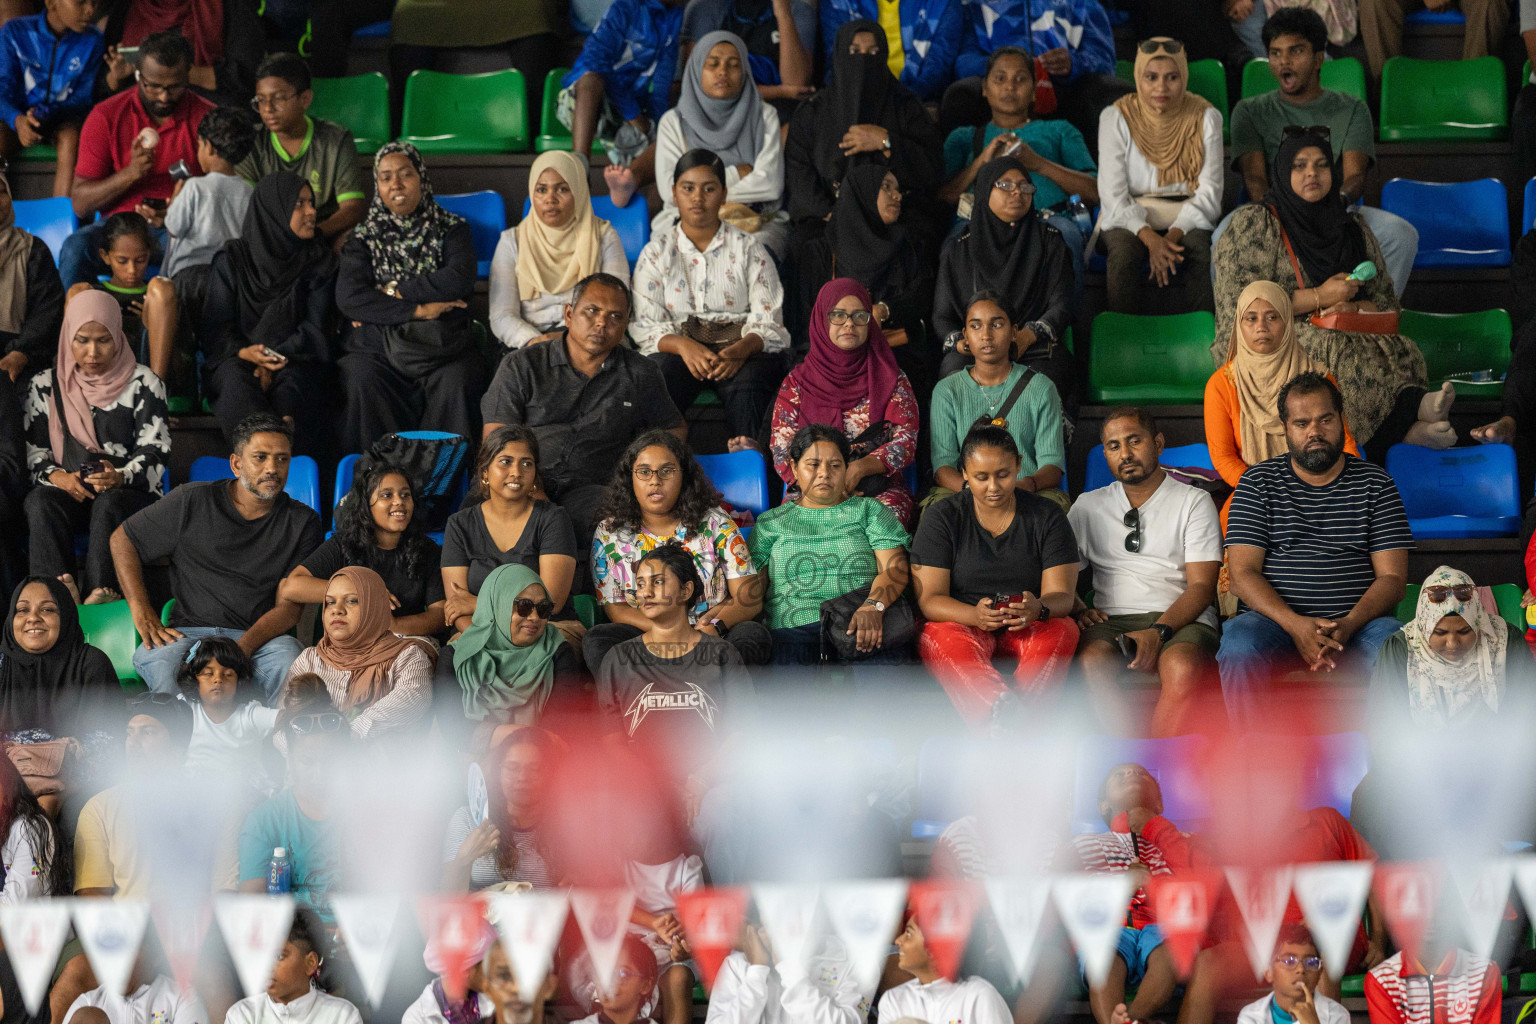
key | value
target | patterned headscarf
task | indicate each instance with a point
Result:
(1440, 691)
(410, 246)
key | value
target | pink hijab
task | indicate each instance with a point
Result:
(832, 381)
(75, 393)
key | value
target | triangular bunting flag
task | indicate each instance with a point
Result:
(370, 926)
(789, 916)
(1523, 867)
(865, 915)
(711, 918)
(255, 928)
(1331, 896)
(1092, 908)
(181, 925)
(453, 925)
(529, 924)
(1018, 906)
(1262, 894)
(603, 917)
(1182, 905)
(1407, 893)
(944, 910)
(111, 932)
(34, 931)
(1484, 887)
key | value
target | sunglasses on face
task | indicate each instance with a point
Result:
(842, 316)
(1291, 131)
(1150, 46)
(1438, 595)
(1132, 521)
(322, 721)
(527, 607)
(1308, 963)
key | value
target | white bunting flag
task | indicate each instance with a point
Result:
(255, 928)
(1018, 907)
(111, 932)
(865, 915)
(1092, 908)
(790, 917)
(1331, 896)
(370, 926)
(1262, 895)
(1484, 887)
(603, 917)
(34, 931)
(529, 924)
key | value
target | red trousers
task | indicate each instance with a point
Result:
(961, 657)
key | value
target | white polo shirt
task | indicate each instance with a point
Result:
(316, 1007)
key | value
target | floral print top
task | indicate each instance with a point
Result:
(717, 548)
(733, 279)
(134, 431)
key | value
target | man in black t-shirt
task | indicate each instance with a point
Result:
(229, 543)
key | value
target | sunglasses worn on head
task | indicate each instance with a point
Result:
(1438, 595)
(1309, 963)
(322, 721)
(527, 606)
(1132, 520)
(1163, 45)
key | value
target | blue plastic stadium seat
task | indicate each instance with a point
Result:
(1425, 16)
(303, 476)
(1530, 208)
(1460, 492)
(632, 222)
(378, 30)
(487, 216)
(52, 220)
(1098, 475)
(1460, 224)
(741, 478)
(1337, 763)
(940, 785)
(1173, 762)
(344, 471)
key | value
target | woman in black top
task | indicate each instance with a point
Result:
(51, 680)
(377, 528)
(505, 520)
(406, 278)
(31, 296)
(265, 342)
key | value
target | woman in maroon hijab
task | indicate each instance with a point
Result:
(850, 381)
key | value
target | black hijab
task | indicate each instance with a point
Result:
(861, 90)
(1325, 238)
(268, 260)
(1010, 259)
(864, 246)
(53, 690)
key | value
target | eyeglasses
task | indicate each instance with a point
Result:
(1132, 522)
(1023, 188)
(647, 473)
(625, 974)
(842, 316)
(321, 721)
(526, 606)
(1292, 131)
(158, 700)
(1163, 45)
(1438, 595)
(258, 103)
(1307, 963)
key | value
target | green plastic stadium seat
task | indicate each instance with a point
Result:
(109, 628)
(1460, 344)
(1125, 69)
(1208, 78)
(553, 134)
(485, 113)
(1151, 359)
(359, 103)
(1345, 75)
(1506, 596)
(1443, 100)
(41, 151)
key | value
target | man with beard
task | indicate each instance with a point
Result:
(1317, 547)
(229, 543)
(1153, 546)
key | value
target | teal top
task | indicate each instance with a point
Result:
(1057, 141)
(811, 555)
(1035, 421)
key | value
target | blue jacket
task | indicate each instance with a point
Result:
(51, 74)
(931, 34)
(634, 49)
(1079, 25)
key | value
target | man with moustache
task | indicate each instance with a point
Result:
(1153, 547)
(1317, 548)
(229, 543)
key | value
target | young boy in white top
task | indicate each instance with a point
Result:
(149, 997)
(1293, 974)
(930, 996)
(292, 995)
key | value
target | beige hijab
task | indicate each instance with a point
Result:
(15, 248)
(1259, 378)
(1172, 140)
(551, 260)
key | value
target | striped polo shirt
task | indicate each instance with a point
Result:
(1318, 541)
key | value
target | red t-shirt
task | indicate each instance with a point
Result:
(106, 140)
(1326, 836)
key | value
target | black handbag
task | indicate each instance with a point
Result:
(873, 438)
(420, 347)
(899, 623)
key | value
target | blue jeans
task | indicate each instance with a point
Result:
(1250, 31)
(1399, 241)
(1254, 649)
(158, 666)
(79, 259)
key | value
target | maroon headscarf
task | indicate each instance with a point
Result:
(832, 381)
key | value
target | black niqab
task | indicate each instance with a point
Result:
(1325, 238)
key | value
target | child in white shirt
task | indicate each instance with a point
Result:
(1292, 975)
(931, 996)
(230, 726)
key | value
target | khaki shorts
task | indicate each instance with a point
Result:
(1197, 632)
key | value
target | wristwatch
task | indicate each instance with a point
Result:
(878, 606)
(1045, 611)
(1164, 631)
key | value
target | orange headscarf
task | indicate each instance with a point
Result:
(373, 646)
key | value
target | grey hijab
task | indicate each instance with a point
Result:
(732, 129)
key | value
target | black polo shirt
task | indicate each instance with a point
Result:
(583, 423)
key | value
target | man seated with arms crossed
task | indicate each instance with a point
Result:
(1154, 549)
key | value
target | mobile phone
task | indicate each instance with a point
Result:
(90, 467)
(155, 204)
(1013, 147)
(272, 353)
(129, 53)
(1001, 601)
(1127, 646)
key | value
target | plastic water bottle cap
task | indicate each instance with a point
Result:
(1075, 199)
(280, 851)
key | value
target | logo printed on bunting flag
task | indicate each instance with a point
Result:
(1262, 894)
(111, 932)
(1182, 905)
(181, 925)
(945, 910)
(453, 925)
(255, 928)
(1092, 908)
(1484, 887)
(34, 931)
(711, 918)
(603, 917)
(1018, 907)
(1407, 893)
(790, 917)
(529, 924)
(1331, 896)
(370, 926)
(865, 915)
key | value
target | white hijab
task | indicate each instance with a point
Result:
(1441, 692)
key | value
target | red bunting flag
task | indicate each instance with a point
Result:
(453, 926)
(1182, 905)
(711, 918)
(944, 909)
(1407, 893)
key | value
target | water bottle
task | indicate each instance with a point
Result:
(279, 872)
(1080, 215)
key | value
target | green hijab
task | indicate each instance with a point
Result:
(495, 674)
